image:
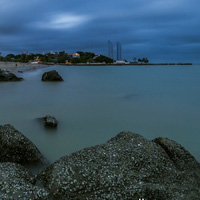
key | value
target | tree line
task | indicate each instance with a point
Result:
(57, 57)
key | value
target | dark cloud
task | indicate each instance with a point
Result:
(160, 30)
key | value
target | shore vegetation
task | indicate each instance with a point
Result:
(57, 57)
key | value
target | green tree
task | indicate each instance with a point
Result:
(145, 60)
(104, 59)
(89, 54)
(75, 60)
(81, 53)
(62, 53)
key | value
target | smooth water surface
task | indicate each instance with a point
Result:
(93, 104)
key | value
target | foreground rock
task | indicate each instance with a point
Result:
(181, 158)
(51, 76)
(15, 147)
(50, 121)
(126, 167)
(17, 183)
(8, 76)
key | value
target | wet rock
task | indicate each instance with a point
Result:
(126, 167)
(17, 183)
(15, 147)
(50, 121)
(182, 159)
(8, 76)
(51, 76)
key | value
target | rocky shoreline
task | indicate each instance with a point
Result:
(128, 166)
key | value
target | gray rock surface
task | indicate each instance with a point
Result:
(15, 147)
(51, 76)
(50, 121)
(17, 183)
(126, 167)
(181, 158)
(8, 76)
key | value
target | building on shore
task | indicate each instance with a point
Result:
(96, 56)
(76, 55)
(121, 62)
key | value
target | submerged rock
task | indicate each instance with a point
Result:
(50, 121)
(51, 76)
(17, 183)
(15, 147)
(126, 167)
(8, 76)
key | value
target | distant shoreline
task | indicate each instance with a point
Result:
(16, 66)
(113, 64)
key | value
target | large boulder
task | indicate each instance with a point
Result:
(181, 158)
(126, 167)
(50, 121)
(15, 147)
(51, 76)
(8, 76)
(17, 183)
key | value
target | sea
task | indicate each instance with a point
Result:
(95, 103)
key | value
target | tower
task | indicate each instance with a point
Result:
(119, 51)
(110, 49)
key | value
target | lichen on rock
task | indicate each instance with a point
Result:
(17, 183)
(126, 167)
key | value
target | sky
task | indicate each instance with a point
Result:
(161, 30)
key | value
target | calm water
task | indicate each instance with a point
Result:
(93, 104)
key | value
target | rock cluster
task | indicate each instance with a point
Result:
(51, 76)
(126, 167)
(50, 121)
(15, 147)
(8, 76)
(16, 182)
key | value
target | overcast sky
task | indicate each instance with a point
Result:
(161, 30)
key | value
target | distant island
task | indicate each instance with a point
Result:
(77, 58)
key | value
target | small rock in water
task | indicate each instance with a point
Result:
(51, 76)
(8, 76)
(50, 121)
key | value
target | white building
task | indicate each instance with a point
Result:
(122, 62)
